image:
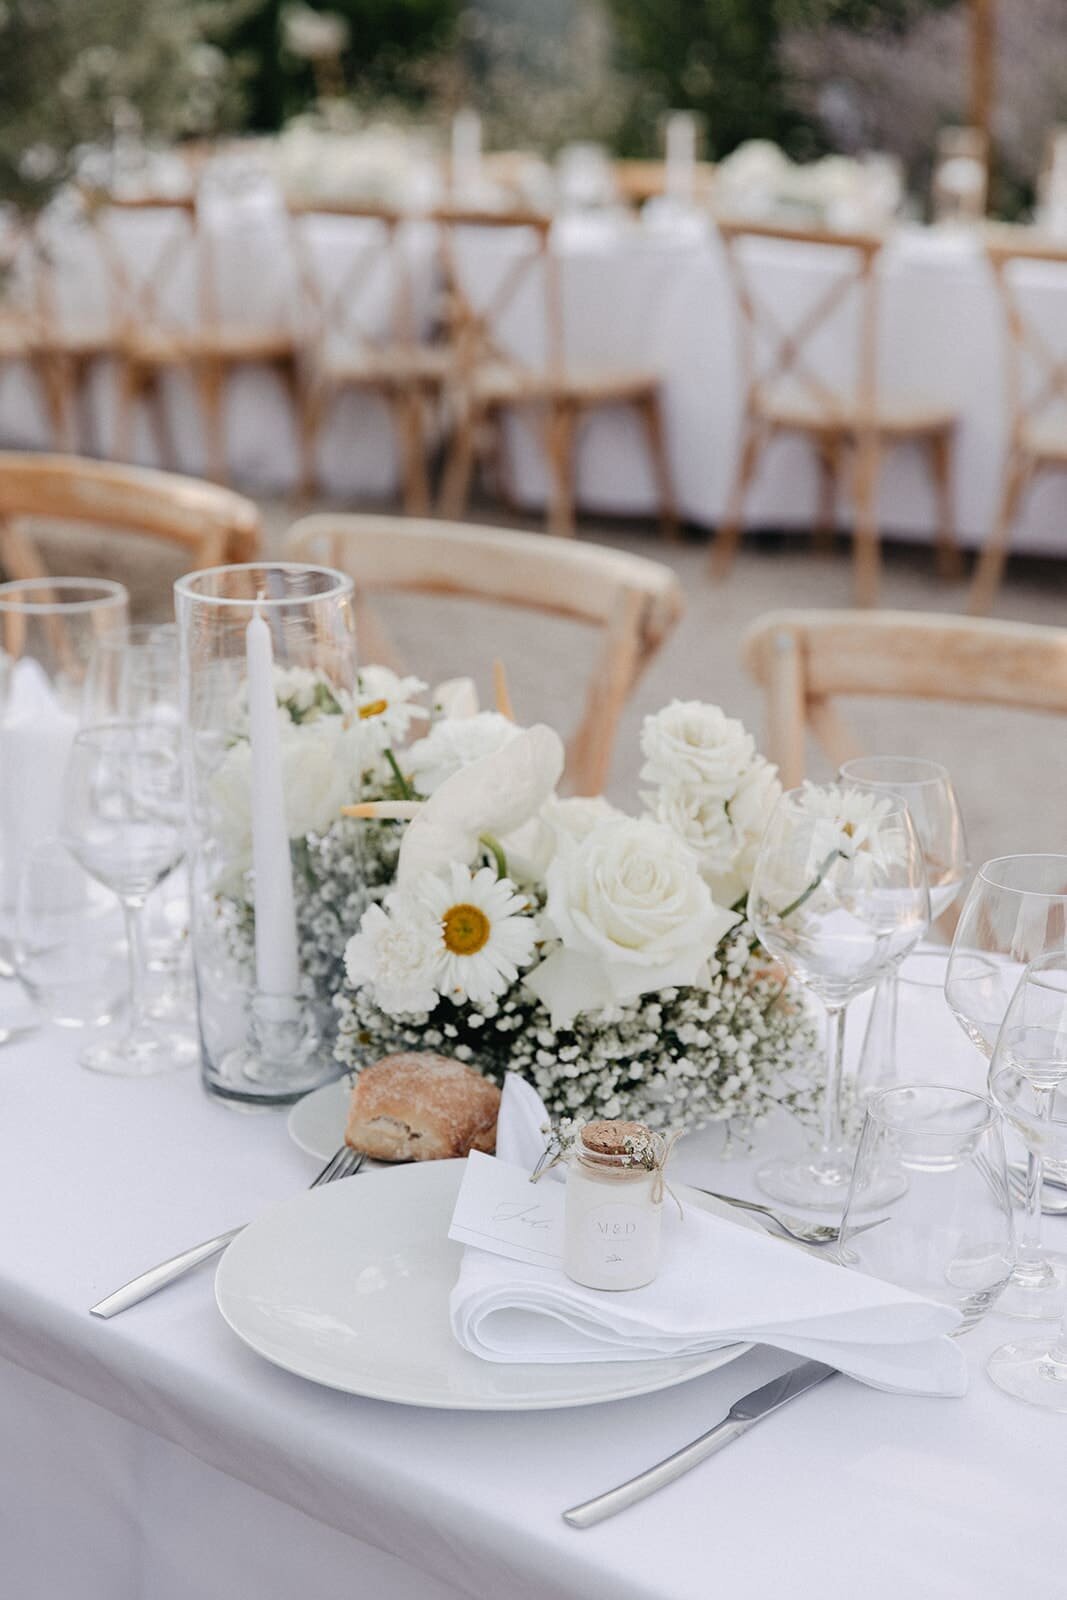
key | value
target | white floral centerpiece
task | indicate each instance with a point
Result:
(460, 905)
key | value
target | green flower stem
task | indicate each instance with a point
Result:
(795, 905)
(406, 791)
(496, 850)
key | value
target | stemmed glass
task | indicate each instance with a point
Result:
(133, 676)
(1035, 1369)
(839, 896)
(1014, 915)
(926, 788)
(1033, 1043)
(122, 821)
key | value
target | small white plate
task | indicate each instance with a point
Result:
(348, 1285)
(317, 1121)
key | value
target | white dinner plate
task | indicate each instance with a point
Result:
(348, 1285)
(317, 1121)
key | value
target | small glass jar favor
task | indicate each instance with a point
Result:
(614, 1205)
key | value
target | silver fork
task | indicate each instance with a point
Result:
(794, 1227)
(342, 1164)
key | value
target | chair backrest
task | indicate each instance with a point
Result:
(1024, 264)
(368, 273)
(635, 602)
(212, 523)
(775, 357)
(803, 659)
(496, 265)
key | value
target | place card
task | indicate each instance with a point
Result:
(500, 1210)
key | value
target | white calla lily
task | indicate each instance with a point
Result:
(494, 795)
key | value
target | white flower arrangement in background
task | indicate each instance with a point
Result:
(461, 905)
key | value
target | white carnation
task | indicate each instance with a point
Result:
(453, 744)
(396, 951)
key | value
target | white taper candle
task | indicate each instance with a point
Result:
(277, 966)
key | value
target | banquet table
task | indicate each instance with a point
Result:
(652, 297)
(154, 1457)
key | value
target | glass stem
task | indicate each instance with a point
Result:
(1030, 1244)
(132, 911)
(1058, 1352)
(835, 1057)
(878, 1060)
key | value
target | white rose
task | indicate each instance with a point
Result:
(750, 812)
(632, 914)
(575, 818)
(690, 743)
(701, 820)
(453, 744)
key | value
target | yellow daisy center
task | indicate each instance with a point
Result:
(373, 708)
(466, 930)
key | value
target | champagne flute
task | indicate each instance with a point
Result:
(122, 821)
(1035, 1369)
(838, 895)
(926, 789)
(1014, 914)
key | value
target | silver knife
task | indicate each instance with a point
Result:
(743, 1414)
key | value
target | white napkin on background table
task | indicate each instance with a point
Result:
(35, 739)
(719, 1283)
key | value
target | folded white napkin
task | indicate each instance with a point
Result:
(35, 740)
(719, 1283)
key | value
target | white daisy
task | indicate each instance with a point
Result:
(386, 708)
(397, 953)
(485, 933)
(453, 744)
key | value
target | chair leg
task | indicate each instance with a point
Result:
(559, 433)
(305, 424)
(994, 555)
(54, 376)
(866, 554)
(412, 435)
(650, 412)
(157, 410)
(727, 535)
(211, 384)
(130, 384)
(949, 563)
(456, 479)
(828, 452)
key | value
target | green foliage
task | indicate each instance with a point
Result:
(722, 58)
(385, 36)
(73, 74)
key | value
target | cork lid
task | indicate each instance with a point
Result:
(614, 1138)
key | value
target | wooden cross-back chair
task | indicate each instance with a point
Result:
(804, 660)
(369, 341)
(491, 380)
(785, 393)
(635, 602)
(212, 524)
(173, 316)
(1036, 385)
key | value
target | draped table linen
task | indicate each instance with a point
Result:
(154, 1457)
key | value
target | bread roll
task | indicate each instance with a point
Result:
(422, 1107)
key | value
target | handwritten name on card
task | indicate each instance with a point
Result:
(500, 1210)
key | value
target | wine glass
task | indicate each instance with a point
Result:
(133, 676)
(839, 896)
(1032, 1042)
(926, 788)
(1035, 1369)
(67, 948)
(122, 821)
(947, 1234)
(1015, 913)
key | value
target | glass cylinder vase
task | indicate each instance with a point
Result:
(268, 687)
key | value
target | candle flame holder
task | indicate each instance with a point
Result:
(259, 717)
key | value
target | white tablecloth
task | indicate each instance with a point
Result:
(154, 1457)
(632, 297)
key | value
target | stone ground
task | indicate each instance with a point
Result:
(1010, 767)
